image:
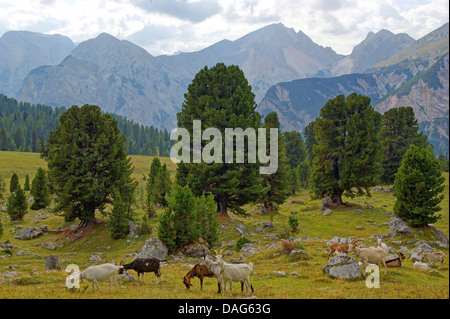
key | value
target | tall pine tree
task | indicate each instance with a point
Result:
(278, 183)
(222, 98)
(418, 187)
(40, 190)
(87, 163)
(399, 130)
(346, 156)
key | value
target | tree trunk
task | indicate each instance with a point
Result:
(336, 198)
(222, 209)
(52, 262)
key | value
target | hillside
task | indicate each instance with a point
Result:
(277, 276)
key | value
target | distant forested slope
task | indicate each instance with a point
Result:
(23, 126)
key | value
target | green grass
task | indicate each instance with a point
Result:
(309, 282)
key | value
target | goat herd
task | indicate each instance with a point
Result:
(240, 272)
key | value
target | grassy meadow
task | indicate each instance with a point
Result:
(304, 278)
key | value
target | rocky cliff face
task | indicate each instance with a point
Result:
(375, 48)
(22, 51)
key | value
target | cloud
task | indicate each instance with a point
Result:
(192, 11)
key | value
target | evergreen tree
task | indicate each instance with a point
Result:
(346, 156)
(418, 187)
(17, 206)
(295, 148)
(207, 222)
(14, 183)
(310, 140)
(178, 224)
(26, 187)
(87, 163)
(277, 184)
(4, 140)
(295, 183)
(399, 129)
(40, 191)
(304, 172)
(2, 188)
(118, 221)
(222, 98)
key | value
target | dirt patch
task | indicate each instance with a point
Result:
(81, 232)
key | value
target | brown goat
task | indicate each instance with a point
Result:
(337, 248)
(199, 271)
(395, 262)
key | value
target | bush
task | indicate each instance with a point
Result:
(118, 222)
(293, 223)
(17, 204)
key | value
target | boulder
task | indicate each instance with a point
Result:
(326, 203)
(29, 233)
(343, 267)
(398, 226)
(197, 248)
(440, 235)
(327, 212)
(267, 225)
(420, 265)
(154, 248)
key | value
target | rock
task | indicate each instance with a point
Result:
(133, 229)
(338, 240)
(294, 212)
(420, 265)
(3, 209)
(154, 248)
(127, 277)
(398, 226)
(198, 248)
(267, 225)
(52, 262)
(378, 188)
(29, 233)
(49, 245)
(327, 212)
(359, 228)
(343, 267)
(326, 203)
(248, 249)
(241, 229)
(440, 235)
(43, 228)
(280, 273)
(95, 258)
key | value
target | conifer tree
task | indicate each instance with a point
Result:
(418, 187)
(346, 156)
(222, 98)
(26, 186)
(277, 184)
(2, 188)
(118, 221)
(178, 225)
(399, 129)
(295, 148)
(40, 191)
(17, 206)
(13, 183)
(87, 163)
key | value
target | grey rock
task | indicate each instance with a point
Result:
(154, 248)
(343, 267)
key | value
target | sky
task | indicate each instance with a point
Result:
(172, 26)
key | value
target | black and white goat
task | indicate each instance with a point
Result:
(143, 265)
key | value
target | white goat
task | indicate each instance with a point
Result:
(226, 272)
(101, 273)
(432, 256)
(369, 255)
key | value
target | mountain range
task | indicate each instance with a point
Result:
(288, 72)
